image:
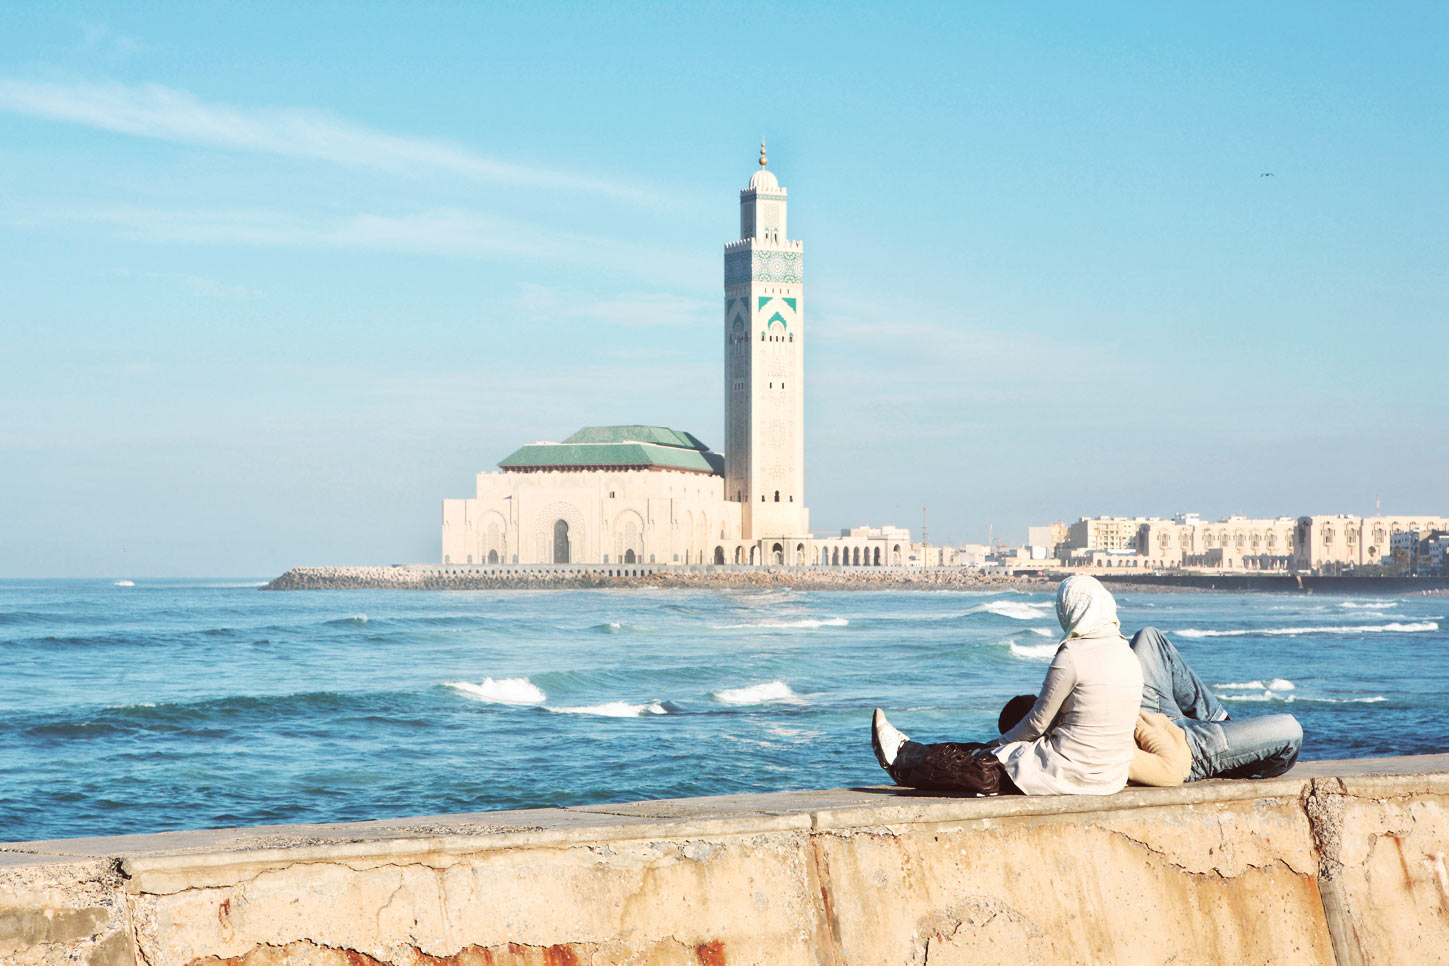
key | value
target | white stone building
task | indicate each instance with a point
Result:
(1346, 541)
(652, 495)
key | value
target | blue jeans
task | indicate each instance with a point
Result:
(1262, 747)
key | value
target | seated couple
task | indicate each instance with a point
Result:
(1109, 711)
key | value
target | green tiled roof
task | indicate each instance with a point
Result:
(623, 447)
(662, 435)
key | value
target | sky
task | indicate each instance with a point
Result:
(277, 278)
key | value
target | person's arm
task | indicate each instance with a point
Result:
(1061, 677)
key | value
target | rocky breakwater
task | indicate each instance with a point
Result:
(411, 578)
(598, 576)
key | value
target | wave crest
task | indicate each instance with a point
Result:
(1020, 610)
(808, 623)
(1277, 684)
(773, 692)
(1411, 627)
(1270, 696)
(615, 709)
(514, 691)
(1034, 652)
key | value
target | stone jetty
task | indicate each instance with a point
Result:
(592, 576)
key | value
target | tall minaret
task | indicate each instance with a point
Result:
(764, 317)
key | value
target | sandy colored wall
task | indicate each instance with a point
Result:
(1339, 862)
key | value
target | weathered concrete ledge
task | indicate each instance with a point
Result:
(1337, 862)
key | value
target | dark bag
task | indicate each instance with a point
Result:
(956, 767)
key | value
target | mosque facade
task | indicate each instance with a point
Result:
(650, 494)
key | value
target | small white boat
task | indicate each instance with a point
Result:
(124, 583)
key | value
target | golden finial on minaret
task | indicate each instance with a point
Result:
(763, 160)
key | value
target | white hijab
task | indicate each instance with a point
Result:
(1085, 607)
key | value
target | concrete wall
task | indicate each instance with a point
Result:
(1339, 862)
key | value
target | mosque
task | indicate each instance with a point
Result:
(649, 494)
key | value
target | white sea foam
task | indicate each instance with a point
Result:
(1370, 605)
(1270, 695)
(1043, 631)
(773, 692)
(1016, 609)
(808, 623)
(1034, 652)
(518, 691)
(1277, 684)
(615, 709)
(124, 583)
(1412, 627)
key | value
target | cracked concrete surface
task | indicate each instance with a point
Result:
(1339, 862)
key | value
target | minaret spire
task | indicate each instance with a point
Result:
(763, 160)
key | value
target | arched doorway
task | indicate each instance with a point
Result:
(856, 556)
(754, 556)
(896, 556)
(777, 554)
(835, 557)
(719, 556)
(629, 557)
(739, 555)
(799, 554)
(493, 556)
(560, 542)
(877, 557)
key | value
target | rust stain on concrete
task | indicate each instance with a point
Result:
(710, 953)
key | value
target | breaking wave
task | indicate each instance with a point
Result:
(615, 709)
(1016, 609)
(347, 621)
(1370, 605)
(774, 692)
(1277, 684)
(1034, 652)
(808, 623)
(1270, 696)
(514, 691)
(1411, 627)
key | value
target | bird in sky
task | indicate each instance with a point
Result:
(1267, 174)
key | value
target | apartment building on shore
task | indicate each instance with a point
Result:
(1313, 543)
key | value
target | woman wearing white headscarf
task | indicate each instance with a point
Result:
(1078, 736)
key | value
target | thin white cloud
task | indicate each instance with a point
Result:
(626, 309)
(197, 285)
(99, 38)
(447, 232)
(167, 114)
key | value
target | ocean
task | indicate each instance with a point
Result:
(176, 704)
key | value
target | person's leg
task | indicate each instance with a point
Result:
(1262, 747)
(1169, 685)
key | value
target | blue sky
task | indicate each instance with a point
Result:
(276, 278)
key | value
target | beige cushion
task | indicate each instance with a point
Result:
(1161, 757)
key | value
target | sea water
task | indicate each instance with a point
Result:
(192, 704)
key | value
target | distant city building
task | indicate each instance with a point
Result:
(1310, 543)
(1345, 541)
(649, 494)
(1432, 553)
(1045, 542)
